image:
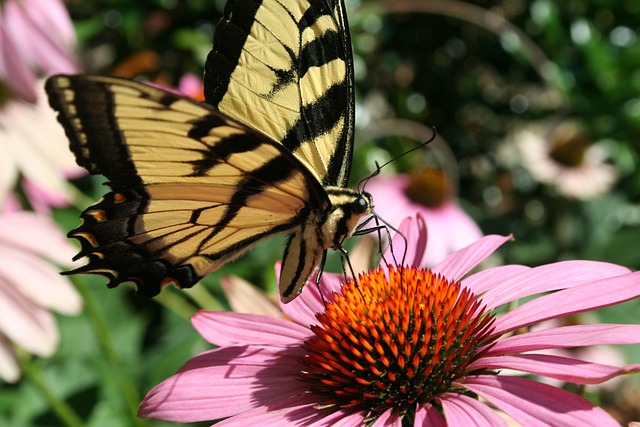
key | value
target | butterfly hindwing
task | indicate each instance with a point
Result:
(286, 68)
(191, 187)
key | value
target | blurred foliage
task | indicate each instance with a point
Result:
(579, 60)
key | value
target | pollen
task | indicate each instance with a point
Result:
(394, 339)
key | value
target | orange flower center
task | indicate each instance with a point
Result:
(429, 187)
(394, 340)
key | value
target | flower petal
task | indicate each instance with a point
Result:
(533, 403)
(224, 382)
(388, 418)
(293, 411)
(39, 281)
(12, 67)
(225, 328)
(35, 233)
(303, 309)
(562, 368)
(9, 368)
(409, 246)
(463, 411)
(26, 323)
(428, 415)
(571, 301)
(459, 263)
(567, 337)
(246, 298)
(550, 277)
(485, 280)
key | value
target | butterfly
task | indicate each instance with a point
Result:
(195, 185)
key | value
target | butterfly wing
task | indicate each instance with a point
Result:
(286, 69)
(191, 187)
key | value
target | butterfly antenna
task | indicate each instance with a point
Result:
(363, 183)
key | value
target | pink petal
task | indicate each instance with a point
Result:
(550, 277)
(43, 199)
(533, 403)
(449, 228)
(26, 323)
(39, 281)
(485, 280)
(390, 202)
(428, 415)
(388, 418)
(571, 301)
(37, 233)
(13, 69)
(303, 309)
(567, 337)
(293, 411)
(223, 383)
(456, 265)
(8, 179)
(558, 367)
(340, 419)
(463, 230)
(463, 411)
(9, 368)
(226, 328)
(245, 298)
(44, 22)
(409, 247)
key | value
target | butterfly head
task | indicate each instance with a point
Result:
(347, 207)
(362, 204)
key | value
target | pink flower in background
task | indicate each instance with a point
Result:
(426, 192)
(35, 146)
(30, 286)
(408, 345)
(36, 39)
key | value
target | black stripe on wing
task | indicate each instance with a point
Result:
(316, 118)
(87, 113)
(122, 248)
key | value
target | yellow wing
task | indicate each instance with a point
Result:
(285, 68)
(191, 188)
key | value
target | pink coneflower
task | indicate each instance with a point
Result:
(565, 159)
(430, 193)
(34, 145)
(30, 286)
(36, 39)
(423, 347)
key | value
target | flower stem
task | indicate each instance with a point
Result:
(62, 410)
(203, 298)
(127, 387)
(175, 303)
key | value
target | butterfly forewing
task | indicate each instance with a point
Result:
(285, 67)
(192, 188)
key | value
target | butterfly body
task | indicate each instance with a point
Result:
(193, 185)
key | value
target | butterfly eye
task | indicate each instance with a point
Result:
(361, 205)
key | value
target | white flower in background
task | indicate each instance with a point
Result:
(30, 286)
(564, 158)
(35, 147)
